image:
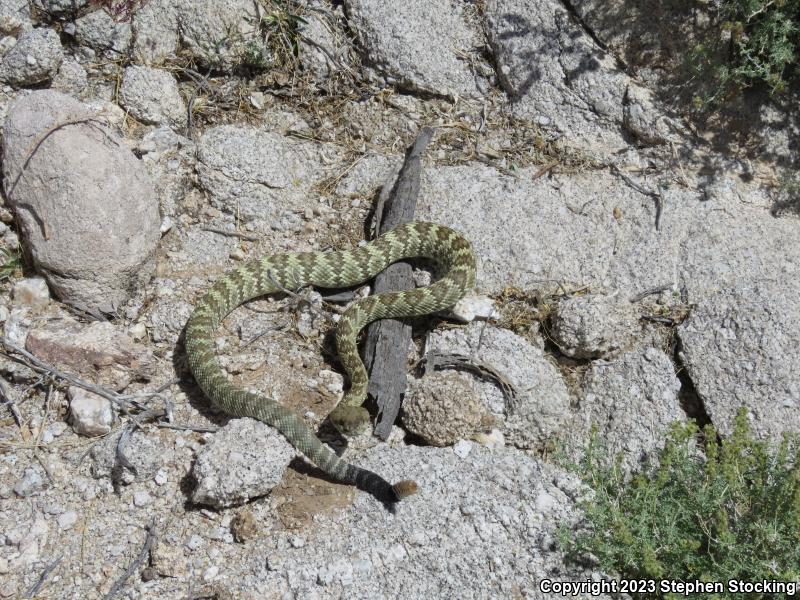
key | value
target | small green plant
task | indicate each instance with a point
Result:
(10, 261)
(731, 512)
(749, 42)
(254, 55)
(281, 25)
(788, 194)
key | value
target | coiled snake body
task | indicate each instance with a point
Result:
(453, 257)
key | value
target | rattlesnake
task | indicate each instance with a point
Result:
(453, 257)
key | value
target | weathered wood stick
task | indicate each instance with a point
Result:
(386, 348)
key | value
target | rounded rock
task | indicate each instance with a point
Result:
(152, 96)
(35, 58)
(92, 415)
(593, 325)
(85, 204)
(443, 408)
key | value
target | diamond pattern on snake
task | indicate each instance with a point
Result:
(454, 259)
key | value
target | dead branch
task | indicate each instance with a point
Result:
(300, 299)
(387, 340)
(649, 292)
(31, 593)
(250, 237)
(136, 564)
(8, 400)
(654, 195)
(436, 360)
(179, 427)
(41, 366)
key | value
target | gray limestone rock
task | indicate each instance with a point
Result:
(564, 233)
(33, 481)
(444, 407)
(98, 351)
(557, 76)
(35, 58)
(167, 317)
(31, 292)
(256, 174)
(99, 31)
(91, 414)
(482, 526)
(221, 34)
(152, 96)
(632, 400)
(740, 350)
(645, 119)
(593, 325)
(60, 8)
(541, 408)
(155, 28)
(14, 16)
(145, 451)
(245, 459)
(730, 244)
(71, 78)
(416, 44)
(321, 46)
(86, 206)
(170, 159)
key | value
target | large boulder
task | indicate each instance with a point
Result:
(86, 206)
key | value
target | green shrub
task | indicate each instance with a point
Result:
(730, 512)
(10, 262)
(749, 42)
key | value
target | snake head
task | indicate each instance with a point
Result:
(350, 420)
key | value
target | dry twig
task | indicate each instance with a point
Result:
(436, 360)
(649, 292)
(31, 593)
(250, 237)
(136, 564)
(654, 195)
(8, 400)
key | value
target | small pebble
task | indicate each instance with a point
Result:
(141, 498)
(473, 307)
(92, 415)
(31, 483)
(545, 502)
(462, 448)
(194, 542)
(67, 520)
(54, 509)
(32, 292)
(257, 100)
(244, 526)
(138, 331)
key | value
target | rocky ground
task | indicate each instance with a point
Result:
(641, 270)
